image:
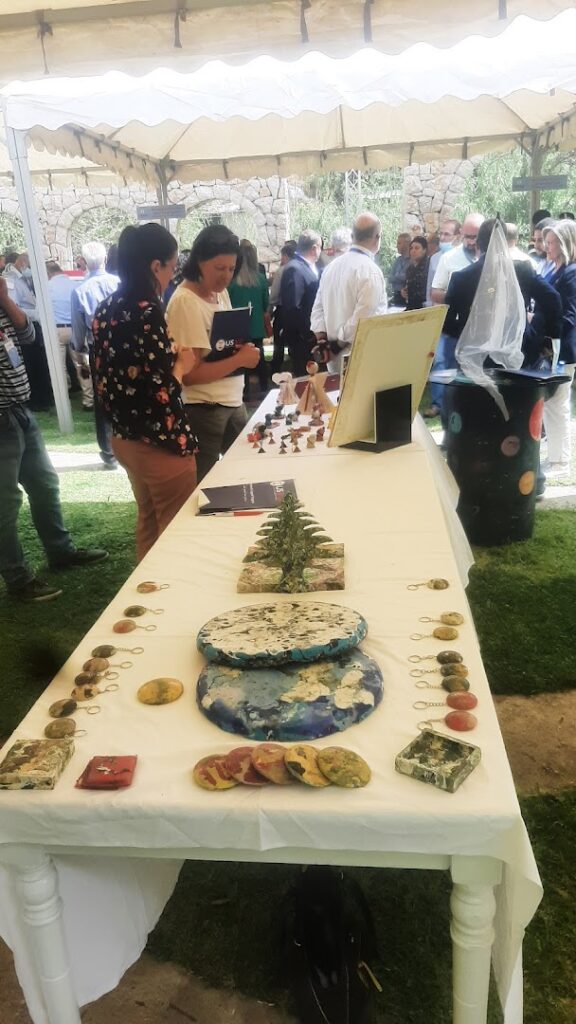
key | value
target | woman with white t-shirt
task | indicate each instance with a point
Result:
(212, 391)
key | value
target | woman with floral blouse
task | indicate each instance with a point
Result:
(139, 382)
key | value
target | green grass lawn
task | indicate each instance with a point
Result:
(521, 597)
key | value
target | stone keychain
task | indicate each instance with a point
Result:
(134, 611)
(440, 633)
(443, 657)
(66, 707)
(86, 691)
(108, 651)
(99, 666)
(85, 678)
(148, 586)
(453, 684)
(62, 727)
(457, 701)
(434, 584)
(446, 618)
(445, 670)
(460, 721)
(127, 626)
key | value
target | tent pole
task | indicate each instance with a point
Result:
(16, 141)
(536, 162)
(162, 193)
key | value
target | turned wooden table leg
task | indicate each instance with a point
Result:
(41, 909)
(472, 928)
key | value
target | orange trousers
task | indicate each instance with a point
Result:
(161, 482)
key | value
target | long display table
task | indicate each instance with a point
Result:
(86, 874)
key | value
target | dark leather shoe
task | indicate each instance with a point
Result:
(35, 590)
(81, 556)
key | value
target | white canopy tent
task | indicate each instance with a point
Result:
(268, 117)
(81, 37)
(371, 110)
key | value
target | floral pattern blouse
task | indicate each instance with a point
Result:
(134, 362)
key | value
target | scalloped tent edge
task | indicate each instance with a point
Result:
(82, 37)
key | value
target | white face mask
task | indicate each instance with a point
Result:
(445, 246)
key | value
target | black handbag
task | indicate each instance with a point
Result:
(332, 941)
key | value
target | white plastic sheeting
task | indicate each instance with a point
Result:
(80, 37)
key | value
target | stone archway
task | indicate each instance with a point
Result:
(58, 229)
(261, 199)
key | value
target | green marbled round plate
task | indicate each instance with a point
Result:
(289, 631)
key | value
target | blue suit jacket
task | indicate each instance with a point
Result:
(298, 289)
(564, 281)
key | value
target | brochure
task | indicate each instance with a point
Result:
(244, 498)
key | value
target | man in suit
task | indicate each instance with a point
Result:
(460, 296)
(462, 290)
(297, 293)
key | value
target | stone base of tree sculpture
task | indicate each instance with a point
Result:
(293, 556)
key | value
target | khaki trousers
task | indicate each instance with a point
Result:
(161, 482)
(80, 360)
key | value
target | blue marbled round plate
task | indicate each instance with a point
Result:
(271, 634)
(291, 702)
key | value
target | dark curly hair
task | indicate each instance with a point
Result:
(214, 240)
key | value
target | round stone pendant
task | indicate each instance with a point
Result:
(344, 767)
(302, 762)
(160, 691)
(211, 773)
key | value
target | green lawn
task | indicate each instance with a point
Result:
(521, 597)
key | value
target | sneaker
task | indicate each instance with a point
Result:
(81, 556)
(36, 590)
(431, 412)
(557, 469)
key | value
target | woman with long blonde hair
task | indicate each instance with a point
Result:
(560, 246)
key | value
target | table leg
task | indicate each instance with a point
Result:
(37, 887)
(472, 929)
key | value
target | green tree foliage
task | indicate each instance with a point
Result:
(199, 217)
(101, 224)
(11, 234)
(489, 189)
(324, 207)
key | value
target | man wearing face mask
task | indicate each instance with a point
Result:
(455, 258)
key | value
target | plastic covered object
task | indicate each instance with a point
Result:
(497, 319)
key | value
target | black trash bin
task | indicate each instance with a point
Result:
(495, 462)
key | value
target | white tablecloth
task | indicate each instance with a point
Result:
(386, 510)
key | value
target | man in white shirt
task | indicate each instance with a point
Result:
(512, 239)
(448, 238)
(456, 258)
(352, 287)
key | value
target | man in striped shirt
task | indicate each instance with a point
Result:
(24, 461)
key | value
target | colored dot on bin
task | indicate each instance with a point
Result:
(510, 446)
(526, 482)
(535, 422)
(455, 422)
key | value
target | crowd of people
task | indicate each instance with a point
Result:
(136, 341)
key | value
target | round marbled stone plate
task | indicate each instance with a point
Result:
(291, 702)
(270, 634)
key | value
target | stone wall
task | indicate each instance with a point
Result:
(431, 191)
(264, 201)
